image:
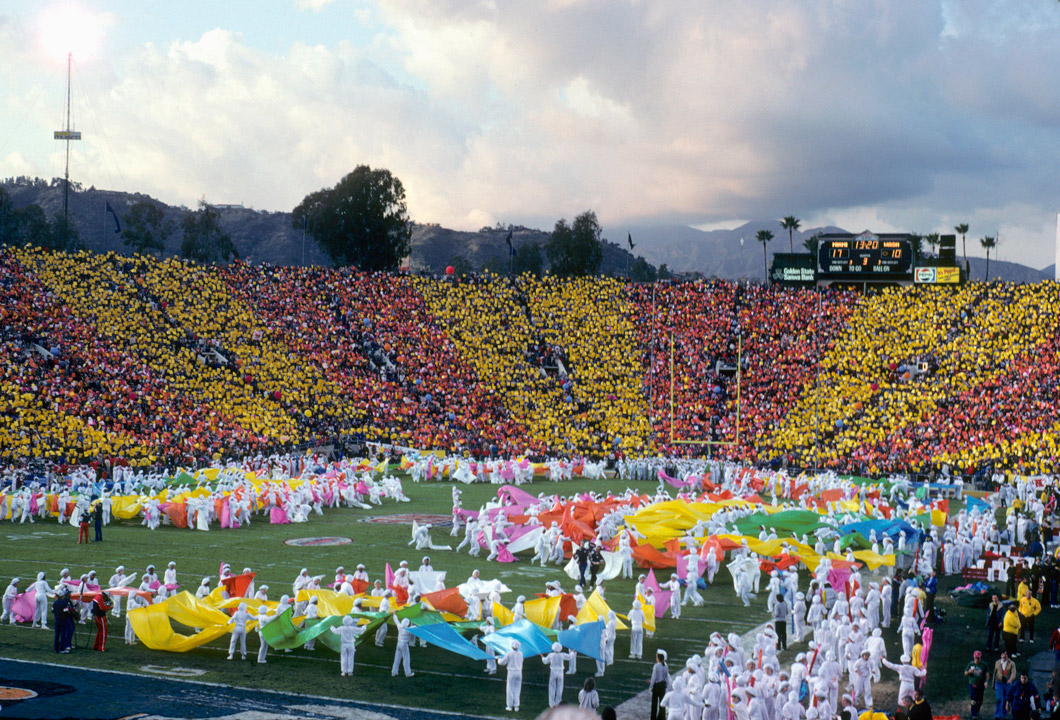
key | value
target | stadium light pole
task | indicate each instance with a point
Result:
(66, 135)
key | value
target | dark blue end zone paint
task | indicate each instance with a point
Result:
(71, 692)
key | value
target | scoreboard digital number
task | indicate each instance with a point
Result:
(865, 256)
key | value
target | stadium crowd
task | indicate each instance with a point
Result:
(592, 319)
(133, 360)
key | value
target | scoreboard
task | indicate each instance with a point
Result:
(865, 257)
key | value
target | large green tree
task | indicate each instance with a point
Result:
(528, 259)
(205, 241)
(7, 210)
(790, 223)
(764, 236)
(26, 226)
(63, 234)
(146, 228)
(461, 265)
(576, 249)
(642, 271)
(31, 226)
(362, 221)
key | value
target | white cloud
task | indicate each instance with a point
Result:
(15, 164)
(314, 5)
(915, 114)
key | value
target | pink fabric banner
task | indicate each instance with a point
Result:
(662, 597)
(24, 605)
(837, 578)
(674, 482)
(516, 496)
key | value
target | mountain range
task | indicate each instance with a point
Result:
(736, 254)
(266, 236)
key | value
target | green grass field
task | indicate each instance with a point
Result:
(443, 681)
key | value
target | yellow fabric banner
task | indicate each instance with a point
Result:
(649, 613)
(501, 615)
(187, 609)
(543, 611)
(596, 609)
(152, 626)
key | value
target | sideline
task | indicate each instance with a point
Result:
(218, 693)
(117, 636)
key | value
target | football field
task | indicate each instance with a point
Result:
(443, 681)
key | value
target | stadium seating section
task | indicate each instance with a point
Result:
(163, 362)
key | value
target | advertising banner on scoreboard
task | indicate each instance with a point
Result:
(937, 276)
(792, 269)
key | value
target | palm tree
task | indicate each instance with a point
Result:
(811, 244)
(790, 223)
(962, 230)
(932, 240)
(987, 243)
(916, 240)
(763, 237)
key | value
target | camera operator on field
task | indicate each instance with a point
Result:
(65, 617)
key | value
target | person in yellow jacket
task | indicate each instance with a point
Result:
(1010, 629)
(1029, 609)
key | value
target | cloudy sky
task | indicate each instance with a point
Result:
(908, 115)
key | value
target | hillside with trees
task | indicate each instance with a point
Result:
(31, 212)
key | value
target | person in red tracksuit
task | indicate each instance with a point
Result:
(101, 605)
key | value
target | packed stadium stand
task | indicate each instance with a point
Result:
(131, 359)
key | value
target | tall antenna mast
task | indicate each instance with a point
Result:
(67, 135)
